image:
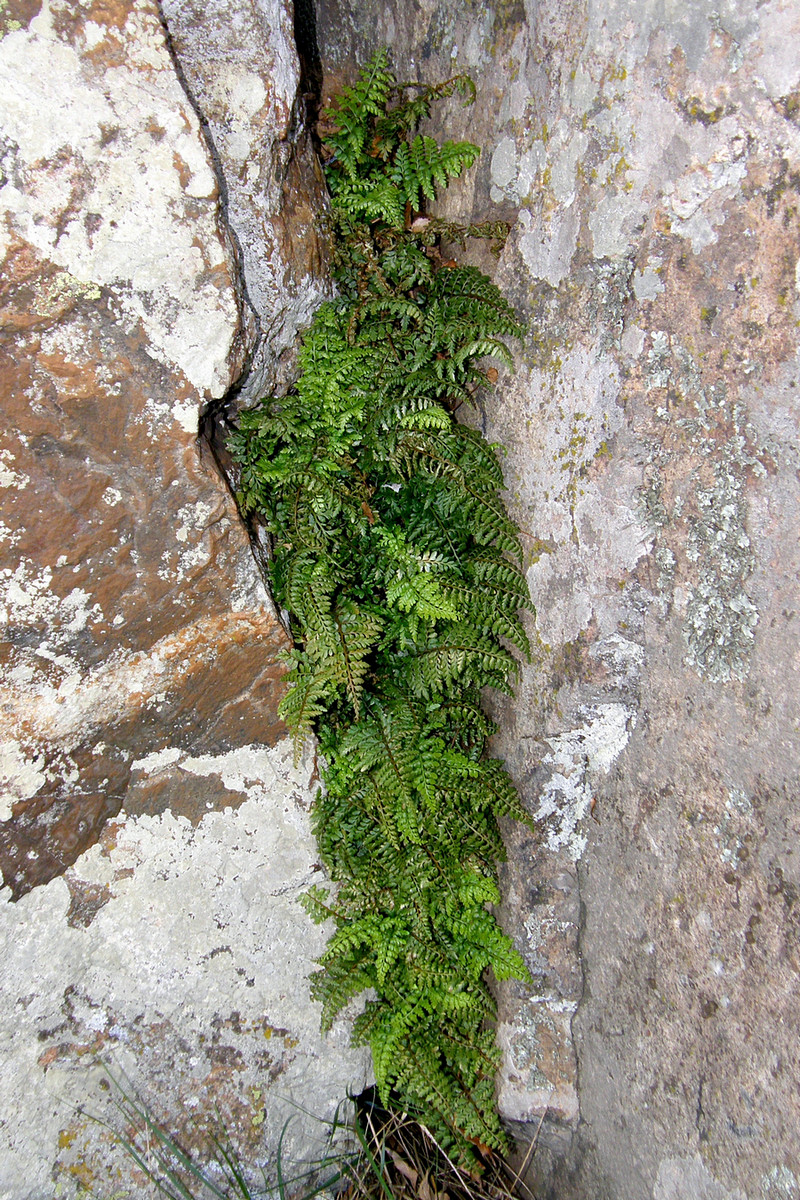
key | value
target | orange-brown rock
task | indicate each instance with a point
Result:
(132, 612)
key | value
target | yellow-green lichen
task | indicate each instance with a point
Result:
(61, 292)
(695, 112)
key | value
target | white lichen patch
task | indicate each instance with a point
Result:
(504, 165)
(66, 709)
(730, 832)
(586, 516)
(192, 517)
(248, 769)
(547, 249)
(177, 568)
(198, 924)
(9, 478)
(625, 150)
(622, 658)
(157, 760)
(577, 758)
(776, 66)
(719, 616)
(8, 535)
(572, 416)
(184, 413)
(131, 144)
(647, 283)
(695, 200)
(26, 599)
(20, 776)
(537, 1073)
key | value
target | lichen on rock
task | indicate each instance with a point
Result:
(648, 160)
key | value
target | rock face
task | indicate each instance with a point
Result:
(649, 160)
(120, 319)
(240, 66)
(153, 831)
(158, 204)
(175, 954)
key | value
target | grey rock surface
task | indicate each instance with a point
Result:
(239, 64)
(648, 159)
(152, 827)
(172, 958)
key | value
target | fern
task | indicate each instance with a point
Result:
(375, 173)
(393, 552)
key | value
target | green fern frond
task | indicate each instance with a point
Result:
(339, 983)
(457, 652)
(423, 166)
(353, 113)
(305, 701)
(491, 610)
(356, 635)
(395, 556)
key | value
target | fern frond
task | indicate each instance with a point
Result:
(391, 548)
(495, 612)
(340, 982)
(356, 633)
(305, 701)
(351, 116)
(454, 653)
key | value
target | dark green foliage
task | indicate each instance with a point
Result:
(376, 170)
(400, 568)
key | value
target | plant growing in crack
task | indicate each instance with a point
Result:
(399, 566)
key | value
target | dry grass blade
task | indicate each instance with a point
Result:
(415, 1166)
(402, 1166)
(518, 1181)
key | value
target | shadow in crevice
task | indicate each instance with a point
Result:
(218, 418)
(305, 37)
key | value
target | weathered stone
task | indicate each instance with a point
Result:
(650, 158)
(140, 672)
(119, 321)
(239, 64)
(178, 957)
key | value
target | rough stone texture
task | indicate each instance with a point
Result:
(140, 678)
(119, 321)
(170, 953)
(239, 64)
(649, 157)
